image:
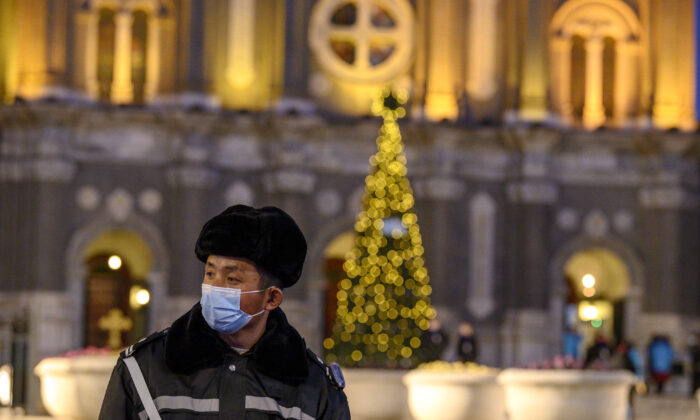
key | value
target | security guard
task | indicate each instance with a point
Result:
(233, 355)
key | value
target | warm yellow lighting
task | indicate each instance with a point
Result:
(383, 303)
(588, 280)
(5, 385)
(589, 312)
(143, 297)
(114, 262)
(138, 297)
(589, 291)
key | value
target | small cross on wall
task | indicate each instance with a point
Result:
(115, 322)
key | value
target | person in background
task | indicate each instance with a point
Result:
(694, 355)
(433, 341)
(627, 357)
(570, 343)
(598, 354)
(467, 350)
(660, 356)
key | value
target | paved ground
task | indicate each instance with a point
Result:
(667, 408)
(647, 408)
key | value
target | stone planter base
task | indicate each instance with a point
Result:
(73, 388)
(454, 395)
(566, 394)
(376, 394)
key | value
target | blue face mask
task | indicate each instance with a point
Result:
(221, 307)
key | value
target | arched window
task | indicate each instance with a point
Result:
(578, 76)
(362, 40)
(120, 49)
(139, 45)
(105, 53)
(594, 50)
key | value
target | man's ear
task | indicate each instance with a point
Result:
(274, 298)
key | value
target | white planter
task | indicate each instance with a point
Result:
(533, 394)
(454, 395)
(376, 394)
(73, 388)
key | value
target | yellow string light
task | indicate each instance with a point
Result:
(383, 303)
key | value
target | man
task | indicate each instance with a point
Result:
(467, 350)
(233, 355)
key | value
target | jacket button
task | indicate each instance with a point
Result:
(232, 368)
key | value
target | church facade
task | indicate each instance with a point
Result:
(551, 146)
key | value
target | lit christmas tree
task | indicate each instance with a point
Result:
(384, 300)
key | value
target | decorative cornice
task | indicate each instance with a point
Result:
(533, 192)
(290, 181)
(666, 197)
(42, 169)
(439, 188)
(191, 176)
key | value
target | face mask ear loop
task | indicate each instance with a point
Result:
(257, 291)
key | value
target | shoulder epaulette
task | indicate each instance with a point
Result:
(132, 348)
(333, 371)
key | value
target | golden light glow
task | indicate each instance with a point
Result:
(143, 297)
(383, 303)
(114, 262)
(138, 297)
(8, 51)
(588, 291)
(588, 280)
(5, 385)
(589, 312)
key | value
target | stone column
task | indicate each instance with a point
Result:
(296, 51)
(122, 88)
(533, 79)
(91, 19)
(626, 80)
(560, 61)
(153, 57)
(481, 63)
(440, 100)
(529, 293)
(593, 110)
(240, 57)
(438, 194)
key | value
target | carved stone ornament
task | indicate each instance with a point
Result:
(567, 219)
(623, 221)
(328, 202)
(596, 224)
(150, 201)
(87, 197)
(120, 204)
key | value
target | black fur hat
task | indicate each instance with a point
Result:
(267, 236)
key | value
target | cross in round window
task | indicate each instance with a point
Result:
(362, 40)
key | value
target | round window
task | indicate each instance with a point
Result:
(362, 40)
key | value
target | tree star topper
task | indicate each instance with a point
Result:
(388, 104)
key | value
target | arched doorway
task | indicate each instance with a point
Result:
(86, 242)
(597, 283)
(116, 295)
(614, 252)
(333, 259)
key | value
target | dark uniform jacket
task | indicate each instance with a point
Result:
(192, 373)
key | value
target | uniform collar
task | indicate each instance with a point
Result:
(280, 353)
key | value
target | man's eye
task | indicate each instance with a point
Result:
(232, 279)
(210, 274)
